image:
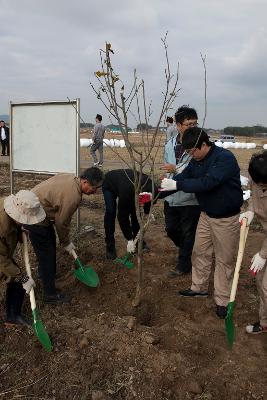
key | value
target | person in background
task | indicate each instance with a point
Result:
(171, 129)
(181, 209)
(118, 184)
(15, 210)
(213, 175)
(4, 134)
(98, 137)
(257, 205)
(60, 197)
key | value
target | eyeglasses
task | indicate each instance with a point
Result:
(190, 124)
(190, 151)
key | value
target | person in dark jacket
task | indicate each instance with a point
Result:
(4, 136)
(213, 175)
(118, 184)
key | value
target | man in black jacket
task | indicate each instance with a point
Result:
(118, 184)
(213, 175)
(4, 135)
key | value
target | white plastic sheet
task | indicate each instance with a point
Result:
(246, 194)
(236, 145)
(244, 180)
(107, 142)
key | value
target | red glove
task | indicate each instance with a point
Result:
(144, 197)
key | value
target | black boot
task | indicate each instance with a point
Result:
(14, 300)
(111, 253)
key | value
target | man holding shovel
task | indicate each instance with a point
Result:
(213, 175)
(118, 184)
(258, 206)
(15, 210)
(60, 197)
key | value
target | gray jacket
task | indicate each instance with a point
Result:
(98, 133)
(180, 198)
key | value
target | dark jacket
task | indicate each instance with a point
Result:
(216, 182)
(6, 128)
(119, 182)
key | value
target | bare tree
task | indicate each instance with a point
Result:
(122, 103)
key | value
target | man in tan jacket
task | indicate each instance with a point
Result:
(60, 197)
(24, 207)
(258, 205)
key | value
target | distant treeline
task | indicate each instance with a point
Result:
(86, 125)
(111, 126)
(256, 130)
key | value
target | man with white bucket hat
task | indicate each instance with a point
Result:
(15, 210)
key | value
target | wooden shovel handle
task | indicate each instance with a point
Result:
(242, 242)
(28, 267)
(74, 254)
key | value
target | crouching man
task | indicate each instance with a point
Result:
(118, 184)
(213, 175)
(15, 210)
(258, 206)
(60, 197)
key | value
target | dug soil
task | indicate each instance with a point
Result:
(167, 348)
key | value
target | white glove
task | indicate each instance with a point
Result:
(27, 286)
(168, 184)
(130, 246)
(70, 247)
(257, 263)
(248, 214)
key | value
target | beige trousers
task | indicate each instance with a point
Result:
(221, 237)
(261, 279)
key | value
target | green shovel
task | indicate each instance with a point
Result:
(229, 322)
(126, 260)
(38, 326)
(85, 274)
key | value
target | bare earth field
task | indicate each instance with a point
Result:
(168, 348)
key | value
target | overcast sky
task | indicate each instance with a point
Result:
(50, 50)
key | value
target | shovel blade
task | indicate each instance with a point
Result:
(125, 261)
(229, 324)
(87, 275)
(41, 332)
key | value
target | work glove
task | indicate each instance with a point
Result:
(257, 263)
(27, 286)
(27, 282)
(144, 197)
(70, 247)
(130, 246)
(248, 214)
(168, 184)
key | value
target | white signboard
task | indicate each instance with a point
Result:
(45, 137)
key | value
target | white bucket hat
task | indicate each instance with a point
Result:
(24, 207)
